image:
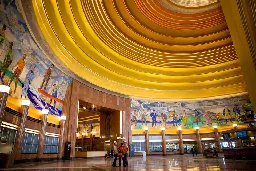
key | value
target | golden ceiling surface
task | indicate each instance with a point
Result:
(144, 48)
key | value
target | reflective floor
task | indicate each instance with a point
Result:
(157, 163)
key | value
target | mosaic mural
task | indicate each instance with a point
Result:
(190, 114)
(24, 67)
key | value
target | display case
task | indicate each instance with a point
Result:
(239, 143)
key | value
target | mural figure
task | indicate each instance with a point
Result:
(175, 118)
(54, 93)
(184, 118)
(237, 112)
(217, 118)
(153, 115)
(47, 77)
(144, 117)
(29, 77)
(7, 61)
(208, 118)
(134, 117)
(227, 115)
(19, 68)
(164, 118)
(2, 34)
(197, 116)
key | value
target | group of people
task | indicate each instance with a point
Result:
(122, 153)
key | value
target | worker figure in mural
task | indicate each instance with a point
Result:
(236, 112)
(2, 34)
(164, 118)
(54, 93)
(47, 77)
(7, 61)
(197, 116)
(175, 118)
(208, 118)
(144, 117)
(184, 117)
(227, 115)
(29, 77)
(19, 68)
(153, 115)
(134, 117)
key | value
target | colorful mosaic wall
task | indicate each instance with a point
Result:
(24, 67)
(189, 114)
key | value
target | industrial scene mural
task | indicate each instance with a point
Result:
(24, 67)
(189, 114)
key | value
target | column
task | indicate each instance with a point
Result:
(61, 141)
(163, 142)
(40, 150)
(181, 149)
(217, 138)
(4, 92)
(198, 140)
(21, 130)
(147, 142)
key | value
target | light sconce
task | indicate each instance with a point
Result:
(45, 111)
(4, 89)
(25, 102)
(196, 127)
(179, 128)
(63, 118)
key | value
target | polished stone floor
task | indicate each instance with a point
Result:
(157, 163)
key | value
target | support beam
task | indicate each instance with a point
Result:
(198, 140)
(163, 142)
(147, 142)
(42, 133)
(217, 139)
(181, 149)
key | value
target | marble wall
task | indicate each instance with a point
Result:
(78, 91)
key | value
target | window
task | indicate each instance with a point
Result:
(172, 146)
(155, 146)
(30, 143)
(139, 146)
(8, 135)
(51, 144)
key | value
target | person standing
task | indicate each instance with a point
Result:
(120, 154)
(19, 68)
(47, 76)
(125, 153)
(7, 61)
(194, 151)
(115, 151)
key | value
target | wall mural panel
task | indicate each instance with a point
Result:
(24, 67)
(189, 114)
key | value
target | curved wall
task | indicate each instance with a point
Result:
(222, 112)
(21, 59)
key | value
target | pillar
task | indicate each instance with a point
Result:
(4, 92)
(181, 149)
(217, 139)
(40, 150)
(163, 142)
(147, 142)
(198, 140)
(61, 140)
(21, 130)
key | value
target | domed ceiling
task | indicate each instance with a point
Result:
(158, 49)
